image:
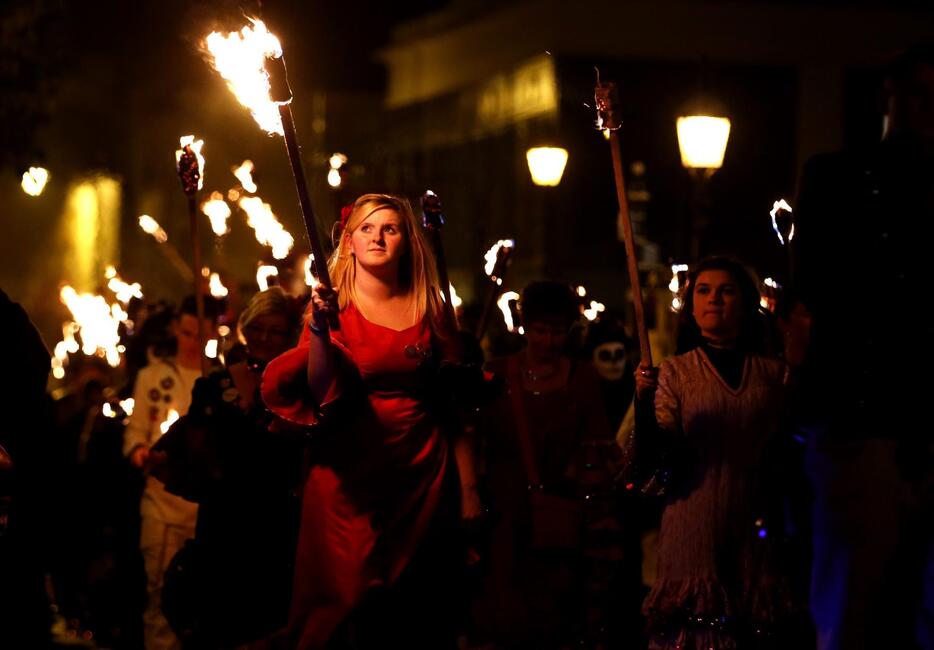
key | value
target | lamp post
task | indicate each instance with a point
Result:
(703, 132)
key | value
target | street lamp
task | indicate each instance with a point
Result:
(546, 165)
(703, 131)
(702, 140)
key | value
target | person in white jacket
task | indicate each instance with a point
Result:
(162, 394)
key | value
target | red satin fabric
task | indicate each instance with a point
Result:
(380, 464)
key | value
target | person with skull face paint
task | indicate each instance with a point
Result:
(608, 346)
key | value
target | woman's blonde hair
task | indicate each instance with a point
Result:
(417, 270)
(273, 300)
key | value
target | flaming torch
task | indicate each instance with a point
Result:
(783, 224)
(240, 58)
(496, 263)
(607, 120)
(190, 166)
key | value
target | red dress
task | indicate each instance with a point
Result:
(380, 465)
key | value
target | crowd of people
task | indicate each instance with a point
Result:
(351, 475)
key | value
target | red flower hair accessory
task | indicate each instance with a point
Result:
(346, 211)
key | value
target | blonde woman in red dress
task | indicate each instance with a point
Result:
(377, 550)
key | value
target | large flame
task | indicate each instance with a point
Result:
(503, 304)
(97, 323)
(218, 212)
(189, 140)
(239, 57)
(263, 273)
(244, 174)
(152, 227)
(269, 231)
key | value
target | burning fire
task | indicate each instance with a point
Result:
(503, 304)
(492, 255)
(189, 140)
(218, 212)
(239, 57)
(594, 310)
(97, 322)
(244, 174)
(263, 273)
(768, 298)
(170, 419)
(152, 227)
(269, 231)
(127, 405)
(34, 180)
(124, 291)
(781, 204)
(217, 288)
(675, 285)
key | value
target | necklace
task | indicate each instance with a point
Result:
(531, 374)
(545, 373)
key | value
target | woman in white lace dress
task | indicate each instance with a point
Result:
(716, 407)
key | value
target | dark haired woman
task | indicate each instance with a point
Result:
(719, 402)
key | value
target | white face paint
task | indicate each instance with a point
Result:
(610, 360)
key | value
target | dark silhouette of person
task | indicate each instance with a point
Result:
(865, 221)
